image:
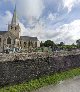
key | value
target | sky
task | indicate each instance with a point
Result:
(56, 20)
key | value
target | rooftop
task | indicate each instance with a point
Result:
(27, 38)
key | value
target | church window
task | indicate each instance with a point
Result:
(35, 44)
(0, 39)
(11, 27)
(14, 41)
(20, 42)
(29, 44)
(15, 28)
(24, 44)
(8, 40)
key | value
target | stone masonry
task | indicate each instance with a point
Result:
(18, 71)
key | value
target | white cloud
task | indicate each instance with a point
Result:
(51, 16)
(37, 31)
(30, 8)
(70, 4)
(4, 20)
(67, 33)
(73, 29)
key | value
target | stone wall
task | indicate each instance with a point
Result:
(18, 71)
(33, 55)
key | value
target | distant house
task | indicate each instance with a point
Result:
(12, 39)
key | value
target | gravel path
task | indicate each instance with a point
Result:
(72, 85)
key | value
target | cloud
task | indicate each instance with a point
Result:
(9, 0)
(73, 29)
(30, 9)
(4, 20)
(70, 4)
(67, 33)
(51, 17)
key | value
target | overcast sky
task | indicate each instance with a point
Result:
(57, 20)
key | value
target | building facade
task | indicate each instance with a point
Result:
(12, 39)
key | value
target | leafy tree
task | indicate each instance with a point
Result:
(78, 43)
(49, 43)
(61, 43)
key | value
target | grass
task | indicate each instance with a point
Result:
(43, 81)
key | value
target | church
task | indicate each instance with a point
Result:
(12, 39)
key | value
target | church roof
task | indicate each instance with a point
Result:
(14, 18)
(3, 32)
(27, 38)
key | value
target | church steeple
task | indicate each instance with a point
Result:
(14, 18)
(14, 27)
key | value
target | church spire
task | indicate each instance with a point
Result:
(14, 18)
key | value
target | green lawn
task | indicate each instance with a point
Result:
(43, 81)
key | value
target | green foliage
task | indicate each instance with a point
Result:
(78, 43)
(43, 81)
(70, 47)
(48, 43)
(67, 47)
(61, 45)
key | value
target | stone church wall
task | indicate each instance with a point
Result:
(18, 71)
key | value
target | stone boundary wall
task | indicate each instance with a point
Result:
(23, 56)
(19, 71)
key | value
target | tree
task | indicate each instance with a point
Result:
(74, 46)
(49, 43)
(61, 43)
(41, 44)
(78, 43)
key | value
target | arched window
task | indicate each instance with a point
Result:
(24, 44)
(35, 44)
(14, 42)
(29, 44)
(0, 39)
(20, 42)
(15, 28)
(8, 40)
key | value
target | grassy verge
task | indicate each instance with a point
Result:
(44, 81)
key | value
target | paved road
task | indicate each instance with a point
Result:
(72, 85)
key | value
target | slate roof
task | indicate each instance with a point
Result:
(3, 32)
(27, 38)
(14, 18)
